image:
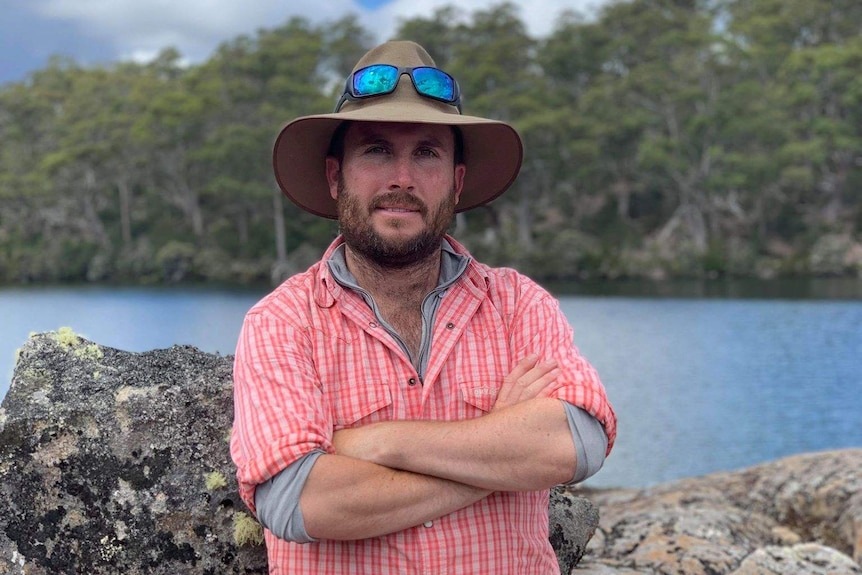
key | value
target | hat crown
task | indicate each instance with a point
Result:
(404, 54)
(401, 53)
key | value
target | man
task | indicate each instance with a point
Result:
(400, 407)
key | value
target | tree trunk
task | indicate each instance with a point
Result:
(242, 227)
(91, 214)
(280, 230)
(460, 224)
(193, 209)
(125, 198)
(525, 221)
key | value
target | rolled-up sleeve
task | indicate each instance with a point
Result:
(541, 328)
(279, 409)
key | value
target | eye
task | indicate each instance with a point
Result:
(376, 149)
(427, 152)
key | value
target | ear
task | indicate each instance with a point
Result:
(333, 170)
(460, 171)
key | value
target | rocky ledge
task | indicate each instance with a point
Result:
(117, 462)
(798, 515)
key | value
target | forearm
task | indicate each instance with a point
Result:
(522, 448)
(346, 498)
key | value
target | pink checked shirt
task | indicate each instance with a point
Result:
(312, 359)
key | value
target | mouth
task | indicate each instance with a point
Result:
(397, 209)
(398, 204)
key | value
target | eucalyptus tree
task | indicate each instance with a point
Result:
(492, 57)
(96, 163)
(83, 149)
(803, 125)
(47, 227)
(258, 84)
(439, 34)
(170, 128)
(26, 129)
(593, 144)
(345, 40)
(665, 70)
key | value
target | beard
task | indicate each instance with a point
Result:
(360, 236)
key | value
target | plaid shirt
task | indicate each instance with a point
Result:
(312, 359)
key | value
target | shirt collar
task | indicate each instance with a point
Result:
(452, 266)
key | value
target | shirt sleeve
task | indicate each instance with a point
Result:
(540, 327)
(280, 412)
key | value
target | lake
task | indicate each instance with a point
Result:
(703, 377)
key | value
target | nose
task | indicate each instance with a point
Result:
(402, 174)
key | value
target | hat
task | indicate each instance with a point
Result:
(492, 149)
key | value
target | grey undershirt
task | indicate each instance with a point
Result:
(277, 500)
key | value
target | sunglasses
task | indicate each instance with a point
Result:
(380, 79)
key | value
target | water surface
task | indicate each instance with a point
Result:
(700, 384)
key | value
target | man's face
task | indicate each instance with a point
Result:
(396, 189)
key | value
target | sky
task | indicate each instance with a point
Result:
(96, 32)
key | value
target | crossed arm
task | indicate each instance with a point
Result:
(390, 476)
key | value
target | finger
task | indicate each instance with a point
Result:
(527, 385)
(542, 386)
(538, 378)
(524, 366)
(510, 382)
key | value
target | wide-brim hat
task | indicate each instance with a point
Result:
(492, 149)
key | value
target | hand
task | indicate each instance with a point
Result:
(531, 378)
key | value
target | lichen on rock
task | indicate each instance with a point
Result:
(215, 480)
(246, 530)
(807, 508)
(103, 475)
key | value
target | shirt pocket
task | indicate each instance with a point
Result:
(354, 406)
(479, 398)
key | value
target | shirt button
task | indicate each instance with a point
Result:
(450, 325)
(372, 324)
(428, 524)
(411, 381)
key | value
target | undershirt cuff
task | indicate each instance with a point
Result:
(590, 439)
(277, 500)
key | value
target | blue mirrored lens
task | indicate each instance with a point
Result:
(435, 83)
(374, 80)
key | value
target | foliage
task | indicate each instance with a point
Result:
(663, 137)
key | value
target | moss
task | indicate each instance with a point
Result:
(70, 341)
(90, 352)
(215, 480)
(66, 338)
(36, 374)
(246, 531)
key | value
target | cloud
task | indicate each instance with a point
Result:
(539, 16)
(194, 27)
(138, 28)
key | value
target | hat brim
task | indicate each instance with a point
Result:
(492, 153)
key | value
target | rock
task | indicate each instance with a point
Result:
(810, 558)
(573, 520)
(799, 515)
(112, 462)
(117, 462)
(835, 254)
